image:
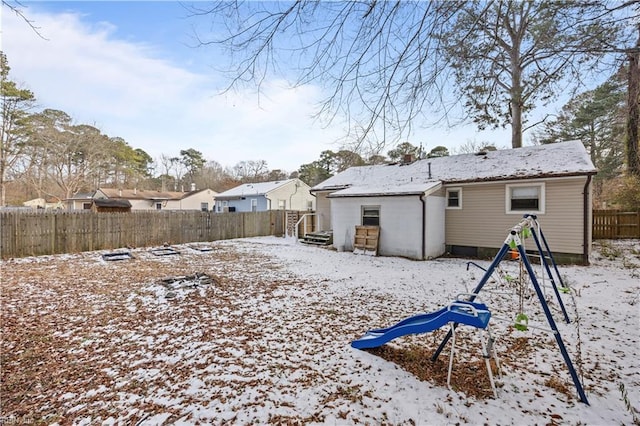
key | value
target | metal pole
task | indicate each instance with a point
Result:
(543, 259)
(552, 323)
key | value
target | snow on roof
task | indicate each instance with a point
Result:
(553, 160)
(141, 194)
(260, 188)
(384, 189)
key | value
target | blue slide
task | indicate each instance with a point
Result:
(461, 312)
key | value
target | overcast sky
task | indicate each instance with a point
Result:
(129, 69)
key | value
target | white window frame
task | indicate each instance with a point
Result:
(459, 191)
(541, 200)
(204, 206)
(158, 205)
(282, 204)
(254, 204)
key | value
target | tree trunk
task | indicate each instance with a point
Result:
(516, 123)
(633, 118)
(516, 92)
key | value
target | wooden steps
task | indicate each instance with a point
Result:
(322, 238)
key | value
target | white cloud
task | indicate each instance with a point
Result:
(124, 89)
(129, 90)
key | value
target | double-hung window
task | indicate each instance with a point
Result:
(454, 198)
(371, 215)
(525, 198)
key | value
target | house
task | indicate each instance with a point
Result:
(80, 201)
(291, 194)
(140, 199)
(202, 200)
(465, 204)
(43, 204)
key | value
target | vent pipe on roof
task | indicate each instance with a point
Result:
(429, 164)
(193, 186)
(120, 193)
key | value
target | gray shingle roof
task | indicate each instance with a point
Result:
(554, 160)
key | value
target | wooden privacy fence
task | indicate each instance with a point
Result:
(35, 234)
(614, 224)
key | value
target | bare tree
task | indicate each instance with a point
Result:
(69, 155)
(390, 65)
(250, 171)
(172, 169)
(16, 8)
(381, 59)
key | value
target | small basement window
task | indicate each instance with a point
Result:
(158, 206)
(454, 198)
(525, 198)
(371, 215)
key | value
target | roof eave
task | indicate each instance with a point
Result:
(528, 177)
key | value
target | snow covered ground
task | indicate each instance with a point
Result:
(267, 340)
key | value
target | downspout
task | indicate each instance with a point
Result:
(424, 226)
(318, 221)
(291, 196)
(586, 224)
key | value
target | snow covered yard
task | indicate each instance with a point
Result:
(267, 340)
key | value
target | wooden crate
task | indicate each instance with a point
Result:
(366, 240)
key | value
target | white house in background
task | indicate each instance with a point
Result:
(42, 204)
(465, 204)
(290, 194)
(202, 200)
(80, 201)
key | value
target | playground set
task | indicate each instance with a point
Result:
(467, 310)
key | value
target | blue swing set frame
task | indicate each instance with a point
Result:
(530, 222)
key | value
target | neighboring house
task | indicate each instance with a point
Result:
(291, 194)
(42, 204)
(465, 204)
(139, 199)
(80, 201)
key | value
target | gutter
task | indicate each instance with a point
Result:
(585, 222)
